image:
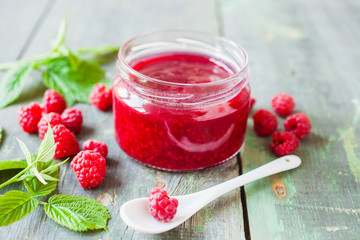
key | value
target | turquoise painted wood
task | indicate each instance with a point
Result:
(309, 50)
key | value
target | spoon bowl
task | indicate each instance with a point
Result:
(135, 213)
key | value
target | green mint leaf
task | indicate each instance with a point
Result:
(74, 85)
(38, 175)
(105, 57)
(28, 187)
(74, 60)
(29, 159)
(1, 133)
(47, 147)
(13, 82)
(77, 213)
(19, 163)
(101, 54)
(15, 205)
(25, 150)
(35, 187)
(49, 178)
(60, 38)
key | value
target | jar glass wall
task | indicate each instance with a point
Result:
(181, 99)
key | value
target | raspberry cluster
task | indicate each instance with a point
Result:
(89, 165)
(297, 126)
(161, 206)
(33, 118)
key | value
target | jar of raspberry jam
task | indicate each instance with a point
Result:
(181, 99)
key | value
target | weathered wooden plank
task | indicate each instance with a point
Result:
(17, 24)
(309, 50)
(92, 23)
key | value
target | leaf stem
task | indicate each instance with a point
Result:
(15, 178)
(39, 60)
(42, 203)
(97, 49)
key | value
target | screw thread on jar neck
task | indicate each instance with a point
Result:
(177, 94)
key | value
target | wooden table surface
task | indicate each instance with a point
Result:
(307, 48)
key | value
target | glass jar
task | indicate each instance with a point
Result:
(166, 116)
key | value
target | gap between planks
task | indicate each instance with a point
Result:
(243, 201)
(220, 30)
(48, 6)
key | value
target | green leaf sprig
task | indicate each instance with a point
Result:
(40, 176)
(62, 70)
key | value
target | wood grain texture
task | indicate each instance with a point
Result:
(308, 49)
(92, 23)
(18, 25)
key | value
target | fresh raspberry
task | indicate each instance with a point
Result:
(283, 104)
(252, 102)
(298, 124)
(265, 123)
(53, 102)
(161, 207)
(89, 167)
(72, 119)
(51, 118)
(29, 116)
(284, 143)
(100, 97)
(96, 146)
(66, 144)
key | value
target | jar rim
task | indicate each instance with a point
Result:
(121, 57)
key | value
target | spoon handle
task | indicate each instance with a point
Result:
(279, 165)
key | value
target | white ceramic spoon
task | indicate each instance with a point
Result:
(135, 213)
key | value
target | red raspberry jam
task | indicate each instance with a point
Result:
(180, 111)
(189, 69)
